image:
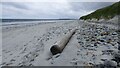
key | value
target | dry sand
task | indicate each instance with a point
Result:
(29, 45)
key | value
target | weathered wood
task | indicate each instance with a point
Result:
(58, 48)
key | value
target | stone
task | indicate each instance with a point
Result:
(114, 33)
(108, 52)
(101, 40)
(109, 63)
(104, 33)
(103, 59)
(118, 47)
(95, 44)
(12, 60)
(116, 57)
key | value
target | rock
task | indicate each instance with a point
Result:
(30, 65)
(95, 44)
(93, 39)
(91, 64)
(87, 39)
(109, 63)
(108, 52)
(78, 38)
(118, 47)
(95, 34)
(56, 56)
(104, 33)
(73, 62)
(119, 64)
(103, 59)
(109, 40)
(99, 66)
(116, 57)
(101, 40)
(31, 60)
(51, 62)
(114, 33)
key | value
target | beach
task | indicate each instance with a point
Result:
(29, 44)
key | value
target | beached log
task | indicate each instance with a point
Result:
(58, 48)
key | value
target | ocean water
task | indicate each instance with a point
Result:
(8, 25)
(6, 22)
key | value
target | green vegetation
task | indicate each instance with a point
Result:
(104, 13)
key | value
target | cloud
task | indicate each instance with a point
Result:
(88, 7)
(59, 0)
(15, 4)
(56, 10)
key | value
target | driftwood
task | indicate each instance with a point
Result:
(58, 48)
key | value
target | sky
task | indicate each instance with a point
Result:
(32, 9)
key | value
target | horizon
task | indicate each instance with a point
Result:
(40, 19)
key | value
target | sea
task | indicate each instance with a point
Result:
(6, 22)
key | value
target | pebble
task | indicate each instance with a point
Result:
(92, 37)
(114, 33)
(110, 63)
(56, 56)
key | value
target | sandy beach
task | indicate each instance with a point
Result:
(29, 44)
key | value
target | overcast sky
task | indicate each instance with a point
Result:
(45, 10)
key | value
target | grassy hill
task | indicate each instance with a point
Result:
(104, 13)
